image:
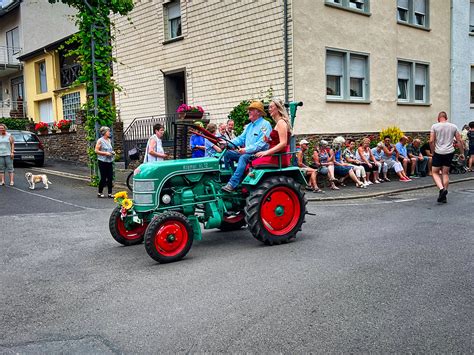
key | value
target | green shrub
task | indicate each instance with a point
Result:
(394, 132)
(15, 123)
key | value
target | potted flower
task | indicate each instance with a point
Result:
(191, 112)
(63, 125)
(41, 128)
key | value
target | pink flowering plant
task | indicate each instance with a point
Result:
(188, 108)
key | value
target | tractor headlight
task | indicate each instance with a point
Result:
(143, 186)
(166, 199)
(143, 199)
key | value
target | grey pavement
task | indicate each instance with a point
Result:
(376, 275)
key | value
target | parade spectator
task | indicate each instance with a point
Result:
(211, 148)
(230, 129)
(350, 157)
(323, 158)
(414, 153)
(252, 140)
(367, 159)
(341, 168)
(464, 137)
(470, 136)
(426, 152)
(198, 148)
(105, 156)
(403, 158)
(390, 157)
(308, 171)
(377, 152)
(7, 149)
(279, 138)
(154, 148)
(222, 132)
(442, 135)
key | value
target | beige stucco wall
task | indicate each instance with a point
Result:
(317, 26)
(232, 50)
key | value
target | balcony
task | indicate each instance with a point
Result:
(14, 109)
(69, 74)
(9, 64)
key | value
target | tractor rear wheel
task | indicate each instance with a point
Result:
(276, 210)
(169, 237)
(120, 232)
(233, 223)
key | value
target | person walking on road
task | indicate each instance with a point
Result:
(154, 147)
(442, 135)
(7, 149)
(105, 156)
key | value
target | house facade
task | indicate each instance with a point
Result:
(462, 62)
(26, 25)
(358, 65)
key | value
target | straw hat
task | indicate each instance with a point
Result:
(258, 105)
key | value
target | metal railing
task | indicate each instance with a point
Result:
(69, 74)
(8, 55)
(10, 108)
(141, 129)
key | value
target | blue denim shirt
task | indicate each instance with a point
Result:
(252, 137)
(402, 150)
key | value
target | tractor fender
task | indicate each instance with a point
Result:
(257, 175)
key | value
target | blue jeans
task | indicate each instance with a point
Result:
(242, 159)
(421, 165)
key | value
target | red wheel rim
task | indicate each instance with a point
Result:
(280, 210)
(132, 234)
(171, 238)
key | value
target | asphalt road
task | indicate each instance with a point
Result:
(391, 274)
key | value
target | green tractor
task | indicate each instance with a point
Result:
(173, 198)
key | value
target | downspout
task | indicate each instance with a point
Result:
(285, 45)
(451, 64)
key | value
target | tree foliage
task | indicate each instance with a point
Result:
(93, 22)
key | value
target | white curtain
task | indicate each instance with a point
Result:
(174, 10)
(404, 71)
(357, 69)
(471, 19)
(46, 111)
(472, 74)
(420, 75)
(334, 64)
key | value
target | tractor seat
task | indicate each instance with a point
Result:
(267, 166)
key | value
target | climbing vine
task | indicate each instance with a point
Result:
(94, 39)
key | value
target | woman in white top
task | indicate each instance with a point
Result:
(105, 156)
(7, 148)
(154, 147)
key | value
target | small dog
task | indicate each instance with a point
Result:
(32, 179)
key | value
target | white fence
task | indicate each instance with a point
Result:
(9, 108)
(8, 55)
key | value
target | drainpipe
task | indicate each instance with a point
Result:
(451, 64)
(285, 44)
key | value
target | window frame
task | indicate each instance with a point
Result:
(345, 79)
(68, 106)
(346, 5)
(471, 18)
(411, 15)
(168, 22)
(39, 87)
(411, 85)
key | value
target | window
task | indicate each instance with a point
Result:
(412, 82)
(42, 79)
(346, 75)
(471, 17)
(414, 12)
(13, 45)
(472, 86)
(172, 11)
(71, 105)
(358, 5)
(1, 94)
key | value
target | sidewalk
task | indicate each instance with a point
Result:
(81, 172)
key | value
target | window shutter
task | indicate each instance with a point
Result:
(402, 3)
(174, 10)
(334, 64)
(357, 67)
(420, 6)
(404, 71)
(420, 75)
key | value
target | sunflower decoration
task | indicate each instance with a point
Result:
(127, 203)
(120, 196)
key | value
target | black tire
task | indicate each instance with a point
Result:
(229, 224)
(130, 181)
(171, 230)
(39, 162)
(121, 234)
(288, 193)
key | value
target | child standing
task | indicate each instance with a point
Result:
(470, 135)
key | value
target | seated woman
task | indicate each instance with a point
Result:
(367, 160)
(323, 160)
(310, 172)
(377, 152)
(350, 157)
(211, 148)
(341, 168)
(279, 138)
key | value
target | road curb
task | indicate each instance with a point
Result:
(382, 193)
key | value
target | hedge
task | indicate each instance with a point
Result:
(15, 123)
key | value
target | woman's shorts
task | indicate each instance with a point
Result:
(471, 150)
(323, 170)
(440, 160)
(397, 166)
(342, 170)
(6, 164)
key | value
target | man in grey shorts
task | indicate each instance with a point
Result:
(442, 135)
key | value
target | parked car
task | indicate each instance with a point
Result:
(28, 147)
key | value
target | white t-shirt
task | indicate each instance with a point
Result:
(158, 149)
(445, 133)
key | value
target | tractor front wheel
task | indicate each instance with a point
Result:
(120, 232)
(169, 237)
(276, 210)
